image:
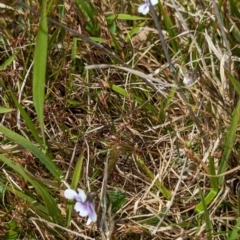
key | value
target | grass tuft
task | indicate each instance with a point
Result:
(93, 97)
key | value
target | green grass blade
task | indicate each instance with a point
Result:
(230, 137)
(77, 172)
(169, 27)
(214, 180)
(238, 200)
(46, 161)
(206, 215)
(123, 16)
(87, 10)
(75, 181)
(27, 119)
(229, 142)
(235, 232)
(28, 199)
(208, 199)
(7, 62)
(214, 190)
(90, 13)
(39, 68)
(50, 203)
(118, 89)
(5, 109)
(166, 103)
(234, 82)
(74, 54)
(166, 193)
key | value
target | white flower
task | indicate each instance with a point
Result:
(83, 205)
(144, 8)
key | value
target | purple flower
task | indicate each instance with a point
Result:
(83, 205)
(144, 8)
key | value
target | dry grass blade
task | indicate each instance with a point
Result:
(151, 126)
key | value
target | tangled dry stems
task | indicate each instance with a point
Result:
(83, 112)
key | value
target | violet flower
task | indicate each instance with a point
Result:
(83, 205)
(144, 8)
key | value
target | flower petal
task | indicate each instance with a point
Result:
(82, 209)
(92, 213)
(82, 195)
(70, 194)
(154, 2)
(89, 221)
(144, 9)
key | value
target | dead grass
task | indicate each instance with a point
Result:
(114, 117)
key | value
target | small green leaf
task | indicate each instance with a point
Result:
(73, 102)
(117, 199)
(7, 62)
(5, 110)
(124, 17)
(11, 235)
(118, 89)
(97, 39)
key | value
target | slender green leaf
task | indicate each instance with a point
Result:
(169, 27)
(206, 215)
(77, 172)
(167, 102)
(7, 62)
(47, 161)
(234, 8)
(214, 180)
(39, 68)
(229, 141)
(98, 39)
(27, 119)
(134, 31)
(230, 137)
(118, 89)
(214, 190)
(87, 10)
(50, 203)
(166, 193)
(122, 16)
(35, 204)
(117, 199)
(236, 231)
(75, 181)
(238, 200)
(234, 82)
(5, 110)
(208, 199)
